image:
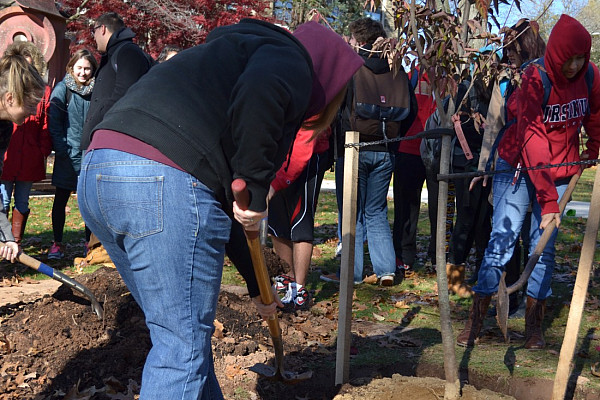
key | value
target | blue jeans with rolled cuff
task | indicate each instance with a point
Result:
(510, 208)
(166, 234)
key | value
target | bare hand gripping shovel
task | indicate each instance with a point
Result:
(503, 291)
(264, 285)
(59, 276)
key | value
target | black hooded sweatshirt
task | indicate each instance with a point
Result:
(230, 108)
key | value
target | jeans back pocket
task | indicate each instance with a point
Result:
(132, 206)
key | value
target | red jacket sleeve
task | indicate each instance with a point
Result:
(535, 144)
(296, 161)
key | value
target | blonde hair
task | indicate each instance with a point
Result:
(21, 79)
(28, 49)
(325, 117)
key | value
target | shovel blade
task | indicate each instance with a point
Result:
(287, 377)
(502, 304)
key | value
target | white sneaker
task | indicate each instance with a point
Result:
(386, 280)
(338, 250)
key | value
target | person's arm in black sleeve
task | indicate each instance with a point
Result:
(269, 99)
(131, 65)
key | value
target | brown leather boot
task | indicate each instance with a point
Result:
(534, 315)
(19, 220)
(473, 326)
(456, 280)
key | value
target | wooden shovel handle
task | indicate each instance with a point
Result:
(240, 193)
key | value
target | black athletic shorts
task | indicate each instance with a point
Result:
(292, 210)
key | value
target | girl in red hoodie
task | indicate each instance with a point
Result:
(539, 137)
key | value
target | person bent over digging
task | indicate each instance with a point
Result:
(539, 136)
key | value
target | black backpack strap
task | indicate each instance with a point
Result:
(68, 96)
(113, 57)
(545, 81)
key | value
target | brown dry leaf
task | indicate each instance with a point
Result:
(359, 307)
(401, 304)
(371, 279)
(75, 394)
(33, 351)
(233, 370)
(378, 317)
(218, 333)
(113, 385)
(4, 344)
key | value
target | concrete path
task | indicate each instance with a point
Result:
(581, 208)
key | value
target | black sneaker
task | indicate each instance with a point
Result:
(302, 300)
(404, 270)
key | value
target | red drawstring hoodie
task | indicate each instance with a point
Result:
(550, 136)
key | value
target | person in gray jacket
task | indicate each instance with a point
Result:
(69, 104)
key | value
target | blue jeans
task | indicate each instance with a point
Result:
(374, 174)
(166, 234)
(21, 191)
(510, 207)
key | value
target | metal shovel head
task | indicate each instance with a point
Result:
(502, 304)
(287, 377)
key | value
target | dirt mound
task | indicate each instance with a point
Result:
(56, 347)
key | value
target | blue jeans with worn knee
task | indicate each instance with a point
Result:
(510, 207)
(20, 190)
(166, 233)
(374, 174)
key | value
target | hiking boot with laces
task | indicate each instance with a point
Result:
(56, 251)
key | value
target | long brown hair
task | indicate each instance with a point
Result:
(79, 54)
(21, 79)
(525, 37)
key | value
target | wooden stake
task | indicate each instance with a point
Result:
(342, 360)
(579, 294)
(452, 389)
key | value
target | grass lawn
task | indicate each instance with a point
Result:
(413, 303)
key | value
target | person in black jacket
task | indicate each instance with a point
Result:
(116, 73)
(388, 92)
(155, 184)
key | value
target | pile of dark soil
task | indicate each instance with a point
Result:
(57, 348)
